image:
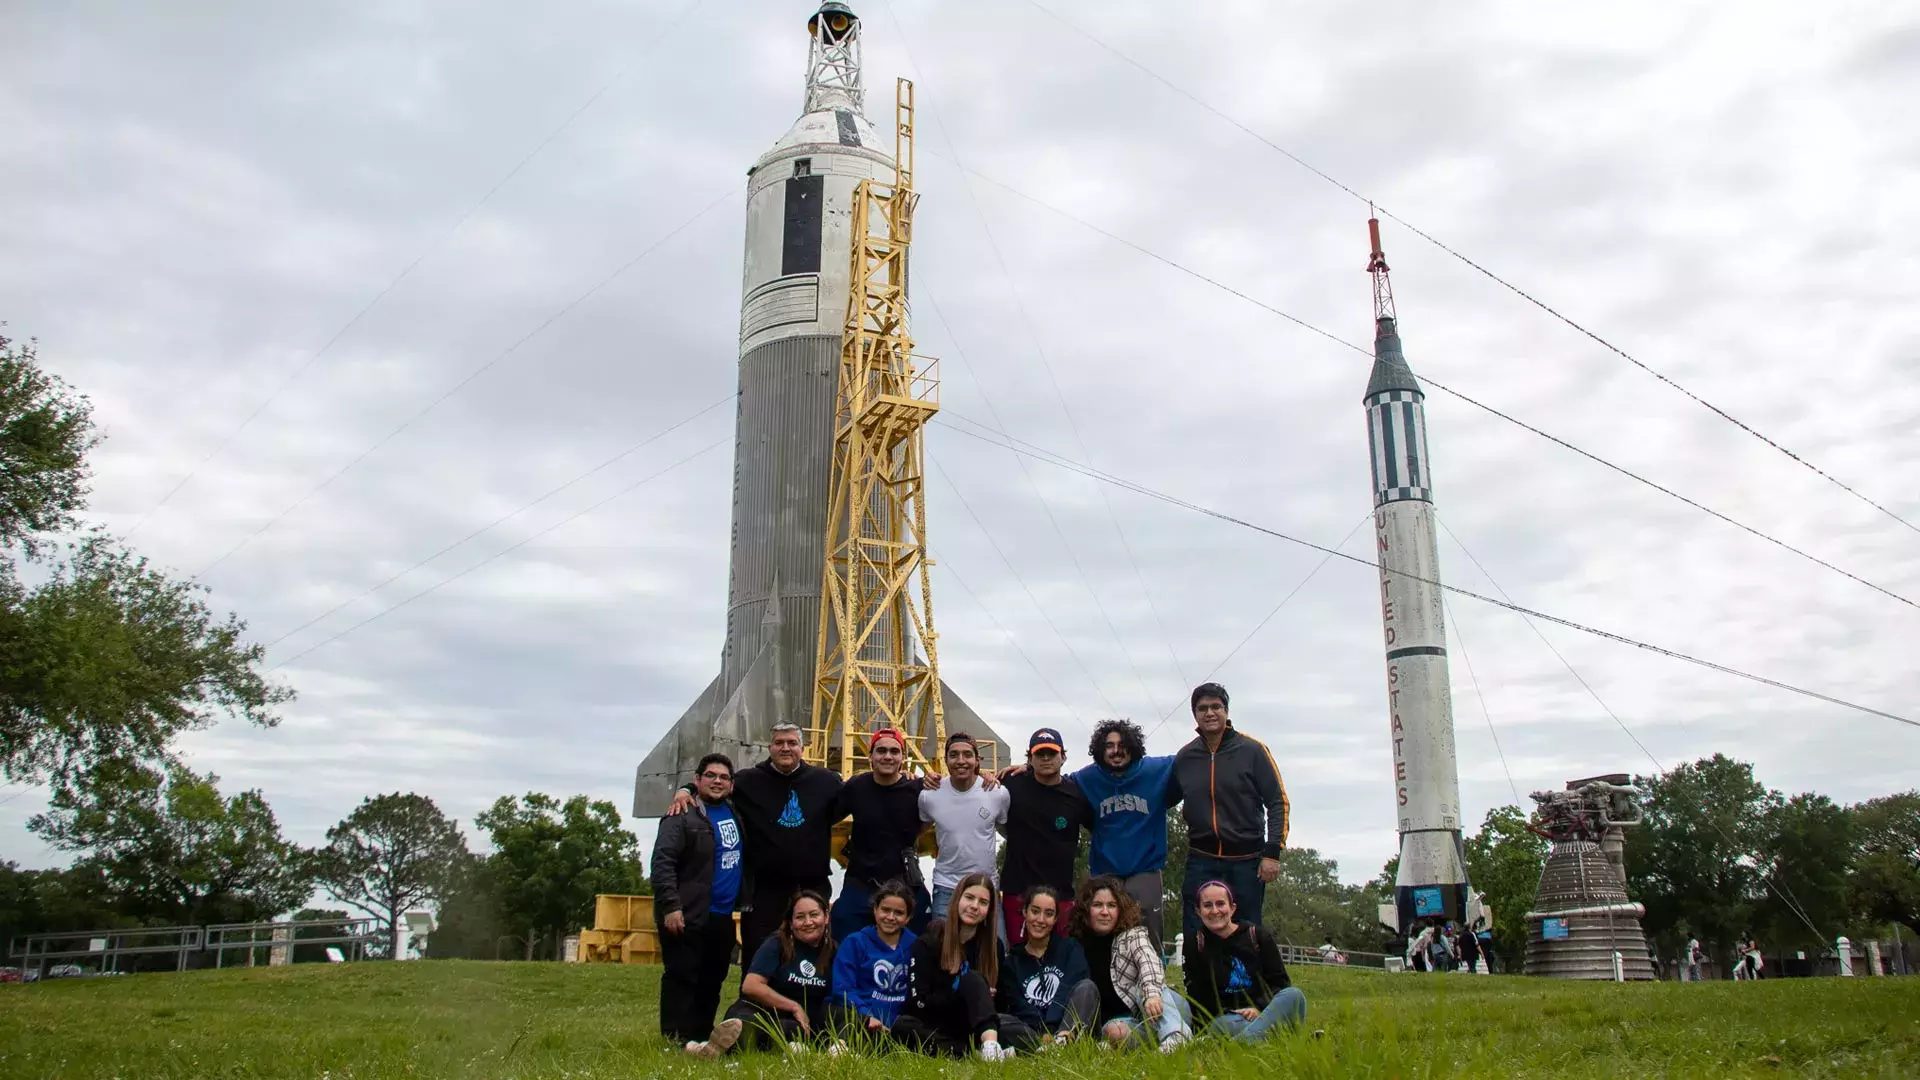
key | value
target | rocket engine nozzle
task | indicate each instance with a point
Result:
(839, 20)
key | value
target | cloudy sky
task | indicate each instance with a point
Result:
(201, 198)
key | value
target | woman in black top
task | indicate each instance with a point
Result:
(950, 978)
(1235, 974)
(783, 998)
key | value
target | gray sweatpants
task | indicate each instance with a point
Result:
(1148, 892)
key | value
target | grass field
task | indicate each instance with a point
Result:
(541, 1021)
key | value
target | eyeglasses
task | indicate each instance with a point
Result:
(716, 776)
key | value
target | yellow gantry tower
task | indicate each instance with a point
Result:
(878, 663)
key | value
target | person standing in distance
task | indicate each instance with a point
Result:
(697, 872)
(1236, 810)
(1045, 814)
(965, 814)
(785, 809)
(885, 806)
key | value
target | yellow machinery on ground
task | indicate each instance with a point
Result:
(624, 932)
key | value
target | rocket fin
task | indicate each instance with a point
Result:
(737, 727)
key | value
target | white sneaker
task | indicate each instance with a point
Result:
(796, 1048)
(992, 1051)
(836, 1048)
(725, 1034)
(1172, 1042)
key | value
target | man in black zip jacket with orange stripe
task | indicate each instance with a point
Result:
(1236, 810)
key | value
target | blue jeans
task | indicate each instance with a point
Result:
(1240, 875)
(1173, 1021)
(1288, 1007)
(853, 910)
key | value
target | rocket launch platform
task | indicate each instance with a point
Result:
(794, 297)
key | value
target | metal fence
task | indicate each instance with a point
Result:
(106, 947)
(278, 939)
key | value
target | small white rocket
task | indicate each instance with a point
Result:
(1432, 880)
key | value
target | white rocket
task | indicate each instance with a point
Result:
(1432, 881)
(795, 279)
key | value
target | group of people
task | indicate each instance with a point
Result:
(1440, 945)
(977, 960)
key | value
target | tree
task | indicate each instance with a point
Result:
(391, 854)
(1504, 861)
(551, 858)
(106, 657)
(468, 925)
(55, 901)
(1693, 860)
(1886, 872)
(1306, 903)
(1808, 852)
(173, 849)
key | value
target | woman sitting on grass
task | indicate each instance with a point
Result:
(951, 976)
(1235, 974)
(1045, 987)
(870, 970)
(1126, 968)
(783, 998)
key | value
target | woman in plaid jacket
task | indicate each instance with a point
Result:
(1135, 1004)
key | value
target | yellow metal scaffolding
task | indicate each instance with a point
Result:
(877, 662)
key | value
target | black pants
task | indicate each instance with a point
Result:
(1083, 1010)
(696, 959)
(954, 1028)
(769, 907)
(764, 1029)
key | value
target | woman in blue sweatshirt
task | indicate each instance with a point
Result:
(870, 970)
(1046, 995)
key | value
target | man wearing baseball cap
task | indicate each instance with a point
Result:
(885, 807)
(1043, 827)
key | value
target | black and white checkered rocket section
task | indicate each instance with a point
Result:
(793, 308)
(1432, 881)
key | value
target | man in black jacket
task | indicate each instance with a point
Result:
(787, 809)
(1236, 809)
(697, 873)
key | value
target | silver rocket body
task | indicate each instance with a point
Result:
(794, 285)
(1432, 880)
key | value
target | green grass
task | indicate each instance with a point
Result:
(552, 1021)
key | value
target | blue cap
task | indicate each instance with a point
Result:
(1046, 739)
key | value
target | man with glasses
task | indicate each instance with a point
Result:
(885, 806)
(1236, 810)
(1044, 819)
(697, 871)
(787, 810)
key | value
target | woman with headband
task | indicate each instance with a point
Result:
(1235, 975)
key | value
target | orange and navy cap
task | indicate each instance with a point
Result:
(1045, 739)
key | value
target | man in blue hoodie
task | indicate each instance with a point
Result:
(1130, 793)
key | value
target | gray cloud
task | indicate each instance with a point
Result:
(201, 200)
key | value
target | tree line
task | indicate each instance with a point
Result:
(169, 849)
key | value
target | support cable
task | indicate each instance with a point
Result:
(1489, 274)
(1455, 589)
(463, 384)
(504, 518)
(575, 516)
(408, 270)
(1046, 506)
(1004, 632)
(1262, 624)
(1480, 694)
(1443, 388)
(1053, 380)
(1035, 601)
(1780, 890)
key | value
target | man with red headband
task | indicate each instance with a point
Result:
(885, 806)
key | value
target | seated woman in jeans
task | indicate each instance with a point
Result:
(1235, 974)
(1135, 1004)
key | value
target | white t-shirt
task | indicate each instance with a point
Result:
(963, 823)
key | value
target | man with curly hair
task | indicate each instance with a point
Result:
(1130, 793)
